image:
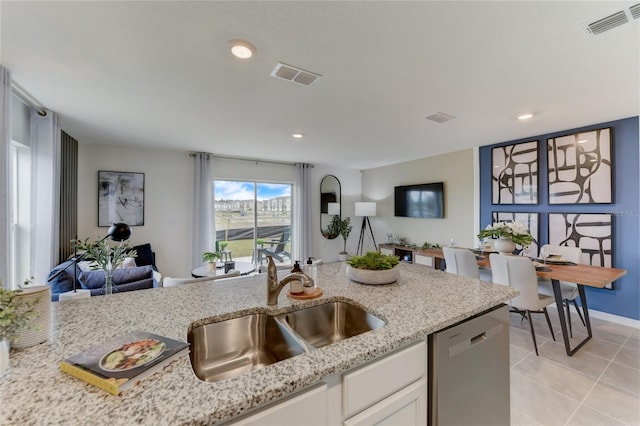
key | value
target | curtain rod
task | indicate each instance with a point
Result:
(27, 98)
(253, 160)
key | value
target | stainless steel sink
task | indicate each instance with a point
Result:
(323, 325)
(227, 348)
(224, 349)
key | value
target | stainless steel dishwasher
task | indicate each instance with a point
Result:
(469, 372)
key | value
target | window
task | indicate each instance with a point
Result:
(254, 218)
(19, 195)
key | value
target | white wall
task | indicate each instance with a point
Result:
(455, 169)
(350, 188)
(169, 198)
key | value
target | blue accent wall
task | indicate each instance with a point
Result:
(624, 299)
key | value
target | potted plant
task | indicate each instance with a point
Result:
(344, 228)
(15, 314)
(105, 257)
(507, 235)
(373, 268)
(210, 258)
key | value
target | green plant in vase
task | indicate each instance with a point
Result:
(344, 226)
(210, 257)
(105, 257)
(15, 313)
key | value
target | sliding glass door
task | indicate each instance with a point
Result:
(253, 219)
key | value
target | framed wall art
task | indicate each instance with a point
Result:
(514, 173)
(580, 168)
(120, 198)
(529, 220)
(592, 232)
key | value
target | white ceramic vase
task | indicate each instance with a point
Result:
(342, 257)
(4, 357)
(504, 245)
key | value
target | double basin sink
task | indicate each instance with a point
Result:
(225, 349)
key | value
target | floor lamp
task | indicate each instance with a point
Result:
(365, 209)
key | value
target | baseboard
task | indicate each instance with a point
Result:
(629, 322)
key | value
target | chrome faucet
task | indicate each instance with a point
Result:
(274, 287)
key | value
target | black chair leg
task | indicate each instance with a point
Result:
(578, 311)
(533, 333)
(566, 305)
(546, 314)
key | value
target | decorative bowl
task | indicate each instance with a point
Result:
(373, 277)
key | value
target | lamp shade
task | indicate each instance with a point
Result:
(365, 208)
(333, 208)
(119, 232)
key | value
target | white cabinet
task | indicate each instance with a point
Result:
(371, 383)
(305, 408)
(423, 260)
(386, 251)
(391, 391)
(406, 407)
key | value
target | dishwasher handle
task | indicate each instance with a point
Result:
(467, 344)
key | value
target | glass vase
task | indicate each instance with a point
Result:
(108, 282)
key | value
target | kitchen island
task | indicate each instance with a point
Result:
(35, 391)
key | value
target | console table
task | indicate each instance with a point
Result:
(427, 257)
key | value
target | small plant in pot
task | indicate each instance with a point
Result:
(373, 268)
(210, 258)
(344, 228)
(15, 315)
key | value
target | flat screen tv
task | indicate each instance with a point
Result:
(425, 200)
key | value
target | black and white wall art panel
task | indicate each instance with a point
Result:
(592, 232)
(580, 168)
(514, 177)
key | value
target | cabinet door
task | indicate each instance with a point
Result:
(406, 407)
(378, 380)
(306, 408)
(424, 260)
(386, 251)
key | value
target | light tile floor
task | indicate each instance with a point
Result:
(599, 385)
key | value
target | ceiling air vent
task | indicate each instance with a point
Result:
(440, 117)
(635, 11)
(294, 74)
(605, 24)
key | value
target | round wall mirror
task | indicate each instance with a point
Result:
(329, 206)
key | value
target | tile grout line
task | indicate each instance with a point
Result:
(594, 385)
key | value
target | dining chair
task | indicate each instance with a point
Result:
(569, 290)
(518, 272)
(461, 261)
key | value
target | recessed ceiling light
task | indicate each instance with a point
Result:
(583, 141)
(298, 135)
(525, 116)
(242, 49)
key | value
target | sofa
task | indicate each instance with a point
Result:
(141, 276)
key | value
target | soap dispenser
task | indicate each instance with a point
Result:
(296, 285)
(312, 272)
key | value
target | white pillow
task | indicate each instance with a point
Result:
(87, 265)
(129, 262)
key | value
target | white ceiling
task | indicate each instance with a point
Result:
(158, 74)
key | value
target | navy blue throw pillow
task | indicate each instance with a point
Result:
(144, 255)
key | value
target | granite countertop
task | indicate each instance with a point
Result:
(35, 391)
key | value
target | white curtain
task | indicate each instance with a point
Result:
(45, 193)
(203, 214)
(302, 213)
(5, 142)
